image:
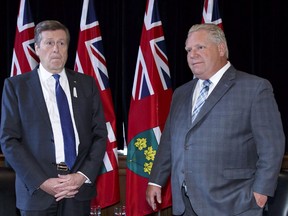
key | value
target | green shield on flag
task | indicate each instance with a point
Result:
(141, 153)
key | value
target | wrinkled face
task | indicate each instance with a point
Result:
(204, 57)
(53, 50)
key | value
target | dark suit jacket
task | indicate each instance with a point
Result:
(233, 148)
(27, 138)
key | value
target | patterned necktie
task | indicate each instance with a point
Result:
(201, 98)
(66, 124)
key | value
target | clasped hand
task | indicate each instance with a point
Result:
(65, 186)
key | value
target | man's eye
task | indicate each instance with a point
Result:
(61, 43)
(49, 43)
(201, 47)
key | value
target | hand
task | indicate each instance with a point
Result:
(260, 199)
(69, 185)
(48, 186)
(153, 193)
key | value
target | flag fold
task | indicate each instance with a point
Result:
(149, 107)
(90, 60)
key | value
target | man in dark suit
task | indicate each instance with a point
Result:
(32, 134)
(223, 150)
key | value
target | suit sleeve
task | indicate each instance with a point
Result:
(12, 140)
(161, 169)
(269, 138)
(93, 132)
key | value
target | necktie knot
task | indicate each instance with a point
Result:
(205, 84)
(201, 98)
(56, 77)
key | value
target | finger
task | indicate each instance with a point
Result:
(64, 193)
(64, 177)
(67, 188)
(60, 198)
(158, 197)
(72, 193)
(152, 203)
(64, 197)
(61, 194)
(154, 206)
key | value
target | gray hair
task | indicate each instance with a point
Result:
(216, 34)
(49, 25)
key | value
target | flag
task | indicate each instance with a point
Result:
(149, 108)
(91, 61)
(211, 13)
(24, 57)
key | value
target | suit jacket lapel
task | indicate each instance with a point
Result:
(74, 91)
(188, 103)
(73, 85)
(36, 92)
(219, 91)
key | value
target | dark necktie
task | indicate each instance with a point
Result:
(201, 98)
(66, 124)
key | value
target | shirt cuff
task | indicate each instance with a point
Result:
(150, 183)
(87, 179)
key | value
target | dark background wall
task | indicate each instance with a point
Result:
(255, 31)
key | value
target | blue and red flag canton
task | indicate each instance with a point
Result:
(211, 13)
(152, 50)
(92, 51)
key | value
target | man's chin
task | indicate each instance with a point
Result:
(56, 69)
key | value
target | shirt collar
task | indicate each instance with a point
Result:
(217, 76)
(47, 75)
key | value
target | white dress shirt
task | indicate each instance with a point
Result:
(48, 87)
(214, 81)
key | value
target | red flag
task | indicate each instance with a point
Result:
(90, 60)
(149, 107)
(24, 57)
(211, 13)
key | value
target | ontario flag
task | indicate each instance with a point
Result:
(149, 107)
(24, 57)
(90, 60)
(211, 13)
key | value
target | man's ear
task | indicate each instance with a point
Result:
(222, 49)
(36, 48)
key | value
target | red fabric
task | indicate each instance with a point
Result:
(24, 57)
(149, 107)
(91, 61)
(211, 13)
